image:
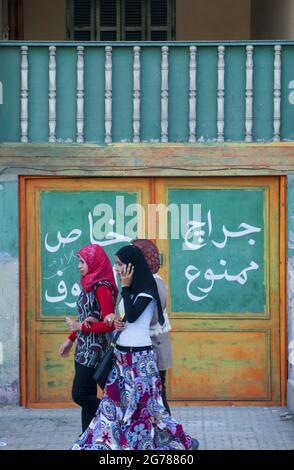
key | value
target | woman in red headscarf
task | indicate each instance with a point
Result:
(96, 301)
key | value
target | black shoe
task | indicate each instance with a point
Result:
(195, 444)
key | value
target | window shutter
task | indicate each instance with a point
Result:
(116, 20)
(82, 20)
(108, 19)
(133, 12)
(108, 13)
(132, 20)
(158, 12)
(158, 21)
(82, 13)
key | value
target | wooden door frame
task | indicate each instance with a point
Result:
(283, 286)
(22, 290)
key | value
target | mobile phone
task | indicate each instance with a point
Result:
(67, 319)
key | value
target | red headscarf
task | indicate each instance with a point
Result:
(150, 252)
(99, 268)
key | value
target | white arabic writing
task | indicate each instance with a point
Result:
(194, 240)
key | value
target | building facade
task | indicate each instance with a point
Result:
(171, 120)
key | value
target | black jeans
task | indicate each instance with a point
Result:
(163, 390)
(84, 393)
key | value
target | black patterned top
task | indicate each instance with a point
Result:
(90, 347)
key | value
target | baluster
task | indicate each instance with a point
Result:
(52, 94)
(249, 94)
(108, 94)
(136, 94)
(24, 93)
(221, 93)
(277, 93)
(192, 94)
(164, 94)
(80, 94)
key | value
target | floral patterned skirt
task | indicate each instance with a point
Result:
(131, 415)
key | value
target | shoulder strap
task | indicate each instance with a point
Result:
(115, 337)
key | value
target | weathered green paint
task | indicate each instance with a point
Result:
(64, 212)
(178, 111)
(206, 93)
(10, 109)
(287, 110)
(9, 218)
(234, 102)
(156, 159)
(122, 93)
(38, 95)
(94, 98)
(263, 92)
(218, 210)
(66, 94)
(150, 94)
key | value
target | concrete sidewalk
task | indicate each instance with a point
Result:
(222, 428)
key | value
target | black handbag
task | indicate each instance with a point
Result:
(103, 369)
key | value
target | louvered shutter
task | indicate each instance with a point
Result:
(108, 20)
(158, 20)
(127, 20)
(83, 20)
(132, 20)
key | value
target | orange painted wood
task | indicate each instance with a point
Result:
(49, 377)
(151, 215)
(22, 284)
(283, 286)
(222, 365)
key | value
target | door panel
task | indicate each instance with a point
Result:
(62, 216)
(222, 265)
(224, 365)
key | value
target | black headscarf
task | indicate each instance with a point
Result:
(143, 280)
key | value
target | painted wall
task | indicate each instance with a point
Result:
(290, 287)
(196, 20)
(9, 294)
(8, 218)
(44, 20)
(213, 19)
(272, 19)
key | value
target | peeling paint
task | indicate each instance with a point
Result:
(9, 393)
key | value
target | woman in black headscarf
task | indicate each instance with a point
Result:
(142, 289)
(131, 415)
